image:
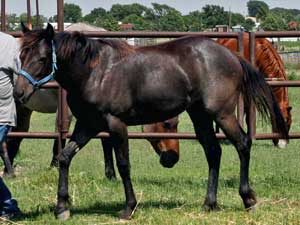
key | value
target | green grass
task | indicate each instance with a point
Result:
(166, 196)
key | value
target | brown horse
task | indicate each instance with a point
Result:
(270, 64)
(112, 85)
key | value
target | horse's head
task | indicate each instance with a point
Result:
(167, 149)
(37, 55)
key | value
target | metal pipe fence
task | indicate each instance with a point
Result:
(63, 132)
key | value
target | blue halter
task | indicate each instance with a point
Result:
(44, 80)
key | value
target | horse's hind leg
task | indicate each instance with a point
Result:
(204, 130)
(119, 136)
(107, 146)
(242, 143)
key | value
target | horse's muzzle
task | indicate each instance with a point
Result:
(169, 158)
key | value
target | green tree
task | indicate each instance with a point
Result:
(258, 9)
(94, 15)
(11, 22)
(214, 15)
(42, 19)
(139, 23)
(287, 14)
(167, 18)
(119, 12)
(108, 22)
(248, 24)
(194, 21)
(72, 13)
(237, 18)
(274, 22)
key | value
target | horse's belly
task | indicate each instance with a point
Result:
(156, 111)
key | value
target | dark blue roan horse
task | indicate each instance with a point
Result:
(112, 85)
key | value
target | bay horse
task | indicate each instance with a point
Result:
(111, 85)
(45, 101)
(270, 64)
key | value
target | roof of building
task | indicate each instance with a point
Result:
(83, 27)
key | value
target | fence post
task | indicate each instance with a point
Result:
(62, 103)
(3, 19)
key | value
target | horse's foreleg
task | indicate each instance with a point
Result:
(204, 130)
(80, 137)
(119, 136)
(108, 158)
(55, 151)
(242, 143)
(8, 170)
(13, 144)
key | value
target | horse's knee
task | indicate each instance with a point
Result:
(66, 155)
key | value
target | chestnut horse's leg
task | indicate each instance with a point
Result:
(80, 137)
(119, 136)
(107, 146)
(204, 130)
(242, 143)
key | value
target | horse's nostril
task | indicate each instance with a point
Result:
(18, 94)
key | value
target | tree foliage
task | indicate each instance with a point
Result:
(214, 15)
(94, 15)
(72, 13)
(258, 9)
(162, 17)
(274, 22)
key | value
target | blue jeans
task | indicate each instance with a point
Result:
(4, 191)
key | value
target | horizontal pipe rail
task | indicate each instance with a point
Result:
(141, 135)
(270, 81)
(147, 34)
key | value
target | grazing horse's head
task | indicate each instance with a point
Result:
(167, 149)
(37, 55)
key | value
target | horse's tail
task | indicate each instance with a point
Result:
(255, 89)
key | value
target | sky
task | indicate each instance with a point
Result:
(49, 7)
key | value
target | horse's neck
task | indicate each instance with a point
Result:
(73, 74)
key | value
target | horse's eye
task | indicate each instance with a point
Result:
(42, 60)
(167, 125)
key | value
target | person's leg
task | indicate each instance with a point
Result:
(8, 206)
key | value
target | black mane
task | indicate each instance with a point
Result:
(70, 43)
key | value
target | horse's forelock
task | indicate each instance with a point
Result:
(32, 38)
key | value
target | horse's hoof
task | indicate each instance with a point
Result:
(110, 175)
(251, 209)
(54, 163)
(169, 158)
(282, 143)
(126, 214)
(209, 208)
(63, 215)
(9, 175)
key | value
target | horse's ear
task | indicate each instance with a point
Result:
(50, 31)
(24, 28)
